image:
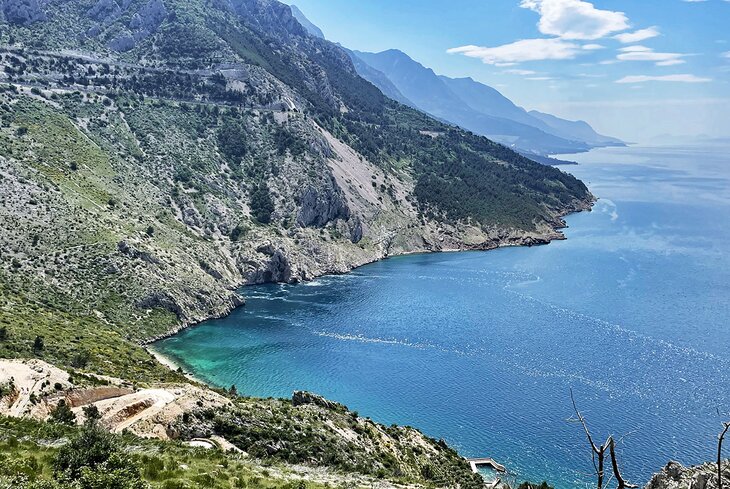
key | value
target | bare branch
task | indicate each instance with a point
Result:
(720, 438)
(583, 422)
(597, 452)
(620, 482)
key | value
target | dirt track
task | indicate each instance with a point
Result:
(150, 412)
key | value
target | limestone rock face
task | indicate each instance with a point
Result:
(675, 476)
(277, 268)
(270, 15)
(104, 11)
(148, 19)
(143, 23)
(320, 206)
(22, 12)
(300, 398)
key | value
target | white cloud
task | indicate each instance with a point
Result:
(520, 72)
(726, 54)
(683, 78)
(637, 36)
(520, 51)
(593, 47)
(671, 62)
(638, 48)
(576, 19)
(643, 53)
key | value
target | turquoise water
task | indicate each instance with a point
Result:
(481, 348)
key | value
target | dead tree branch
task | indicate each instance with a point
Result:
(720, 438)
(620, 482)
(598, 452)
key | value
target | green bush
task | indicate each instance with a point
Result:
(261, 204)
(62, 414)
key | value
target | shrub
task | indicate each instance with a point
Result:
(89, 449)
(62, 414)
(261, 204)
(81, 359)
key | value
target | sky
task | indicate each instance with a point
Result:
(641, 70)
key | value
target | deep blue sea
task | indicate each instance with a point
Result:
(482, 348)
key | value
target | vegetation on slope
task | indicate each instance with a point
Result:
(36, 455)
(189, 150)
(313, 430)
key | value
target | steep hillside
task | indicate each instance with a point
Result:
(311, 28)
(577, 129)
(291, 436)
(145, 179)
(155, 155)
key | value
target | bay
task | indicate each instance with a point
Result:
(631, 312)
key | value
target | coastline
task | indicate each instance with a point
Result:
(545, 239)
(168, 362)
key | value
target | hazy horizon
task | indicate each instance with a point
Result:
(641, 72)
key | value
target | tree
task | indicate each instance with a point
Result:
(92, 414)
(599, 453)
(94, 459)
(233, 391)
(261, 204)
(38, 344)
(720, 438)
(3, 333)
(232, 142)
(62, 413)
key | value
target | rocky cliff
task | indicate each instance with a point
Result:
(156, 155)
(676, 476)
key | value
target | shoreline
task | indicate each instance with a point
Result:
(546, 239)
(168, 362)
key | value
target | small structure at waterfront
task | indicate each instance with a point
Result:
(485, 462)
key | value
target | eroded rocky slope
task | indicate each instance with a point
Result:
(157, 155)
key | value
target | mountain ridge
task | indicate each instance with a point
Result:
(482, 109)
(470, 104)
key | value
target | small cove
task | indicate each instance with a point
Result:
(481, 348)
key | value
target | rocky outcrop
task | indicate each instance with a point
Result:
(22, 12)
(148, 19)
(143, 23)
(161, 300)
(270, 15)
(319, 206)
(277, 268)
(124, 248)
(104, 11)
(356, 230)
(301, 398)
(675, 476)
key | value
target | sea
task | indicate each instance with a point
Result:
(630, 315)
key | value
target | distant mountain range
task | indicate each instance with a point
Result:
(469, 104)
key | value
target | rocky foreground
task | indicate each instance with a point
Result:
(676, 476)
